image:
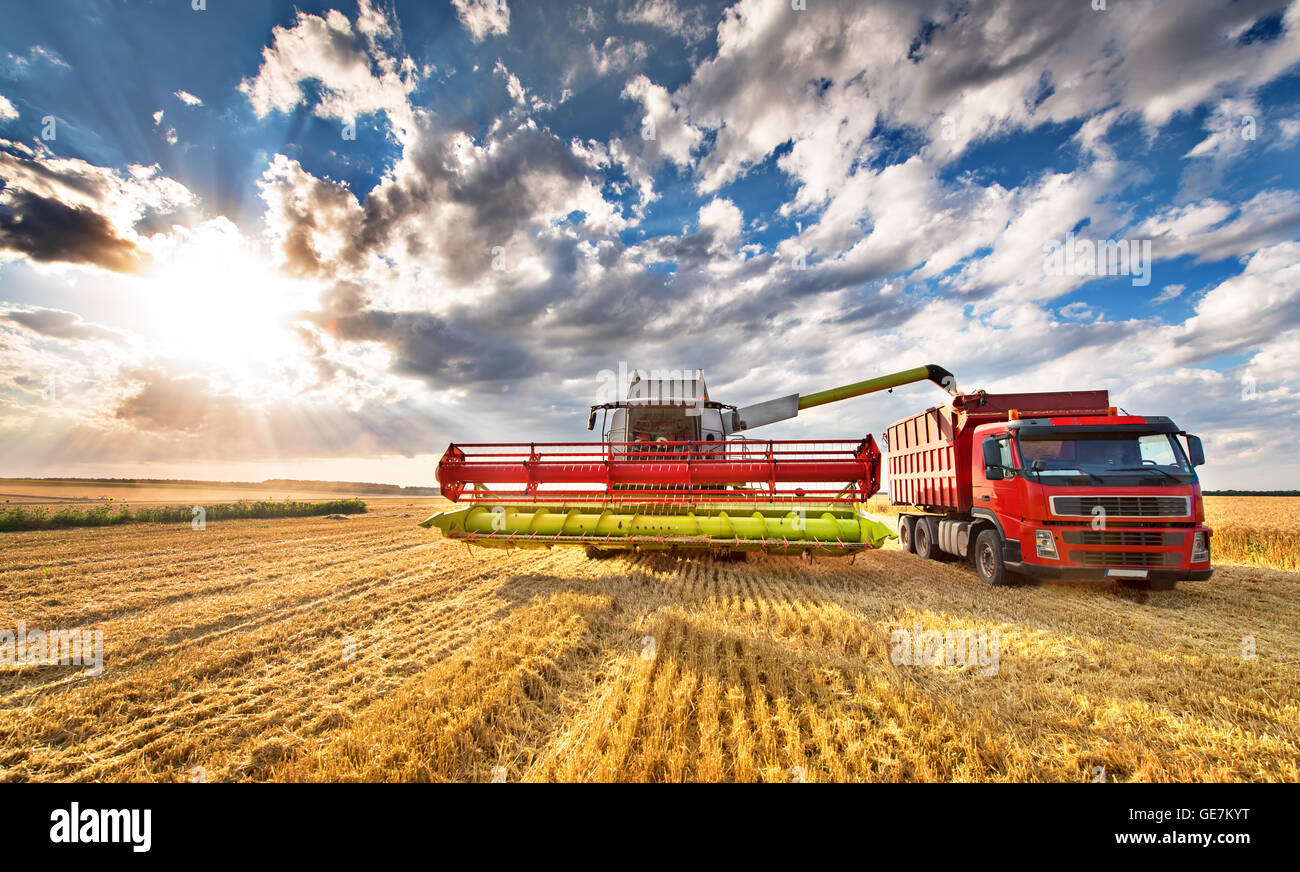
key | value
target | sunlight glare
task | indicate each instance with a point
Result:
(215, 299)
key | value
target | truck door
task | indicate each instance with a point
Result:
(1000, 494)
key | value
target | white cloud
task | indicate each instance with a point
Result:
(586, 18)
(168, 133)
(668, 16)
(7, 110)
(187, 98)
(1289, 130)
(1213, 230)
(1245, 311)
(723, 220)
(515, 88)
(24, 66)
(1169, 292)
(371, 22)
(615, 55)
(1226, 127)
(483, 17)
(355, 76)
(986, 70)
(671, 135)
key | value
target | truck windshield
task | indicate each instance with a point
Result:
(1119, 455)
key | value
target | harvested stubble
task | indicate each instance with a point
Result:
(226, 650)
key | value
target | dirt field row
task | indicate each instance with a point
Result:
(368, 648)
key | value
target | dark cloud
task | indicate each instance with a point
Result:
(50, 231)
(428, 347)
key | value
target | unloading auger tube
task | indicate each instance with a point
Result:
(804, 496)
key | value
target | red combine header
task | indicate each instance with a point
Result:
(673, 472)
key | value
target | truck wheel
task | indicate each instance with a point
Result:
(923, 539)
(906, 526)
(988, 559)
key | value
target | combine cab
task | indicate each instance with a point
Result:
(671, 473)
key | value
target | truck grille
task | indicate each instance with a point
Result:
(1125, 558)
(1128, 538)
(1123, 506)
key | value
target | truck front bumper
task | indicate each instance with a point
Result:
(1015, 552)
(1099, 573)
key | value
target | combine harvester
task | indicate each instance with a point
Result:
(671, 473)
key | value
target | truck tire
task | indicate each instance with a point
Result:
(906, 527)
(923, 539)
(987, 557)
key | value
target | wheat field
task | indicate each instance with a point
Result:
(369, 649)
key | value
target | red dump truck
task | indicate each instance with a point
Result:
(1051, 485)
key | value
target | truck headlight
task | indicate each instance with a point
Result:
(1045, 544)
(1200, 548)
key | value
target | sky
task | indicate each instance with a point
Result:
(256, 240)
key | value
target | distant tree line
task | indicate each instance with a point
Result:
(1242, 493)
(42, 518)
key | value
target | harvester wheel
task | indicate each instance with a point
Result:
(600, 553)
(988, 559)
(923, 539)
(906, 526)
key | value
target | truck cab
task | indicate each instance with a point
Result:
(1082, 493)
(1087, 498)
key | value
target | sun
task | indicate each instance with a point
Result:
(213, 298)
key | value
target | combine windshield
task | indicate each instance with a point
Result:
(1105, 455)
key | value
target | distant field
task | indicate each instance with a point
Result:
(41, 493)
(1255, 531)
(1277, 513)
(368, 648)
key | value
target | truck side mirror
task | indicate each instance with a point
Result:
(993, 473)
(1195, 450)
(591, 419)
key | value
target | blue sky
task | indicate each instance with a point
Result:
(263, 238)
